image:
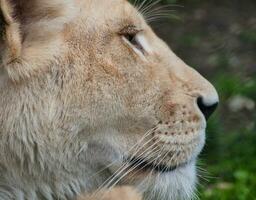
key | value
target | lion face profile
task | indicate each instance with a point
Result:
(92, 98)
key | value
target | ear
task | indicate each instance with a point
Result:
(10, 38)
(31, 35)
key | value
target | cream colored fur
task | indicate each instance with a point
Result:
(76, 96)
(125, 193)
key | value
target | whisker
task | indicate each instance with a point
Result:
(156, 19)
(120, 170)
(135, 3)
(129, 171)
(136, 155)
(151, 14)
(150, 5)
(107, 185)
(141, 5)
(152, 10)
(131, 149)
(140, 169)
(163, 15)
(144, 151)
(161, 7)
(151, 161)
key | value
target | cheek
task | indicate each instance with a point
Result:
(141, 103)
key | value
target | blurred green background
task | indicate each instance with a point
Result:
(218, 38)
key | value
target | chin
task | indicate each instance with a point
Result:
(178, 184)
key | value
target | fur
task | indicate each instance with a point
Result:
(76, 95)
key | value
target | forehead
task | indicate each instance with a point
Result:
(112, 12)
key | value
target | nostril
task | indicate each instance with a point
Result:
(207, 110)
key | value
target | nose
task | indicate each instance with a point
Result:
(206, 109)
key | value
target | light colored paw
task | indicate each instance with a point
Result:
(119, 193)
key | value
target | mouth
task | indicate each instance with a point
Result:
(141, 164)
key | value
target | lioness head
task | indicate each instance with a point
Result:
(91, 98)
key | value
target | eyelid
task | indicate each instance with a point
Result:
(130, 29)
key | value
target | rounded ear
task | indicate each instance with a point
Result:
(30, 35)
(10, 37)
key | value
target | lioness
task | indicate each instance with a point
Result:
(92, 98)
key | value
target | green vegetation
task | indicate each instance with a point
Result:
(219, 39)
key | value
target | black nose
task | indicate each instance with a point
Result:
(207, 110)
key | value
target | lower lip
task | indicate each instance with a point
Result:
(141, 164)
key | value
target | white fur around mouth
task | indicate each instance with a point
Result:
(178, 184)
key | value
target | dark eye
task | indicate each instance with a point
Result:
(131, 38)
(130, 34)
(134, 41)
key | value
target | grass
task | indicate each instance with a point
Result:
(230, 154)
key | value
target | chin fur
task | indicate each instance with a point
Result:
(177, 185)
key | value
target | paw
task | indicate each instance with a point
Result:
(123, 193)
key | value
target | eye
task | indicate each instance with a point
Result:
(130, 34)
(131, 37)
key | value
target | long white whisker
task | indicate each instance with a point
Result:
(141, 5)
(159, 9)
(131, 149)
(129, 171)
(155, 159)
(158, 13)
(121, 169)
(140, 169)
(150, 5)
(112, 179)
(125, 167)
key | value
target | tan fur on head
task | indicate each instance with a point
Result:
(92, 98)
